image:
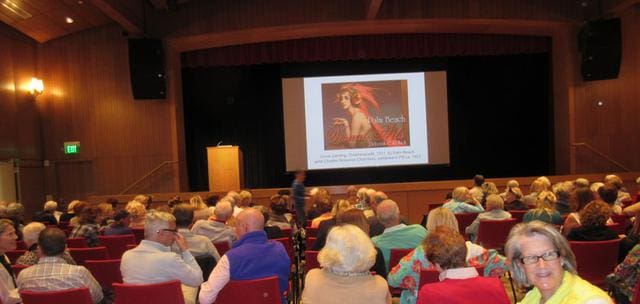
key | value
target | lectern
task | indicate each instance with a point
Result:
(225, 168)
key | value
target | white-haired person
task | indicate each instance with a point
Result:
(46, 215)
(406, 274)
(510, 185)
(458, 282)
(344, 277)
(31, 232)
(216, 228)
(545, 210)
(463, 202)
(152, 261)
(8, 287)
(494, 211)
(540, 257)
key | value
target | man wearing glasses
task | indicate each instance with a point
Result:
(153, 262)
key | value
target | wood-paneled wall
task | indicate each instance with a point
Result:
(20, 132)
(89, 99)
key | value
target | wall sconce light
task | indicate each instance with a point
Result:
(36, 87)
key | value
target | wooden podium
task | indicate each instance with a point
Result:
(225, 168)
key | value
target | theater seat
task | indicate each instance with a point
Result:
(69, 296)
(258, 291)
(166, 292)
(596, 259)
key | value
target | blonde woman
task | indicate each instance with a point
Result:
(545, 210)
(137, 211)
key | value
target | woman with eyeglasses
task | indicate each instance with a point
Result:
(541, 257)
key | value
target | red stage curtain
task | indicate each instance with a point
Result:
(387, 46)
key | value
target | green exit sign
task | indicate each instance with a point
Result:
(72, 147)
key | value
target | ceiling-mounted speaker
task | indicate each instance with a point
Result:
(600, 43)
(147, 69)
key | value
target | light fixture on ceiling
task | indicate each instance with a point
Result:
(15, 8)
(36, 87)
(68, 20)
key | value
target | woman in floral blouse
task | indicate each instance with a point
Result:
(406, 274)
(625, 277)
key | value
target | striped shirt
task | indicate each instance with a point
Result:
(53, 273)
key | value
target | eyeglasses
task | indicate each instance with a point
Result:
(169, 230)
(547, 256)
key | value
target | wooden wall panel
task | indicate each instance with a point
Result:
(613, 128)
(89, 100)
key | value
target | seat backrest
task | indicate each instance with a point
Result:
(310, 260)
(13, 255)
(288, 245)
(222, 247)
(139, 234)
(106, 272)
(258, 291)
(310, 241)
(431, 275)
(492, 234)
(21, 245)
(636, 294)
(78, 242)
(80, 255)
(117, 244)
(69, 296)
(596, 259)
(464, 220)
(165, 292)
(518, 215)
(396, 254)
(311, 232)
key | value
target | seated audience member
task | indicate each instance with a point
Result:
(77, 210)
(137, 212)
(324, 208)
(356, 217)
(623, 196)
(594, 218)
(198, 245)
(396, 234)
(146, 200)
(406, 274)
(67, 216)
(246, 199)
(352, 196)
(462, 202)
(234, 198)
(488, 188)
(15, 212)
(563, 195)
(31, 233)
(609, 194)
(88, 226)
(537, 186)
(581, 182)
(459, 283)
(513, 201)
(495, 211)
(54, 273)
(273, 232)
(253, 256)
(476, 191)
(630, 240)
(541, 257)
(582, 196)
(510, 185)
(200, 209)
(279, 214)
(215, 228)
(545, 210)
(338, 208)
(8, 288)
(120, 225)
(152, 261)
(316, 195)
(105, 214)
(344, 277)
(624, 279)
(594, 189)
(47, 214)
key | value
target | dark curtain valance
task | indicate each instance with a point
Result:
(388, 46)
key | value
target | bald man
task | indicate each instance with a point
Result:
(252, 256)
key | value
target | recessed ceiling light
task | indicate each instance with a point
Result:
(68, 20)
(80, 2)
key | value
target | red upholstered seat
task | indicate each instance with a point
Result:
(518, 215)
(311, 232)
(394, 258)
(310, 260)
(80, 255)
(106, 272)
(258, 291)
(76, 242)
(166, 292)
(288, 245)
(13, 255)
(117, 244)
(310, 241)
(21, 245)
(492, 234)
(222, 247)
(464, 220)
(138, 233)
(432, 275)
(595, 259)
(69, 296)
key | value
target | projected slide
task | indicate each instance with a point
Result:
(362, 120)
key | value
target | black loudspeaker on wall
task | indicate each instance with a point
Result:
(600, 44)
(146, 67)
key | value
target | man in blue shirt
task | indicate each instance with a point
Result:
(299, 196)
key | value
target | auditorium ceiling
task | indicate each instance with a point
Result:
(44, 20)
